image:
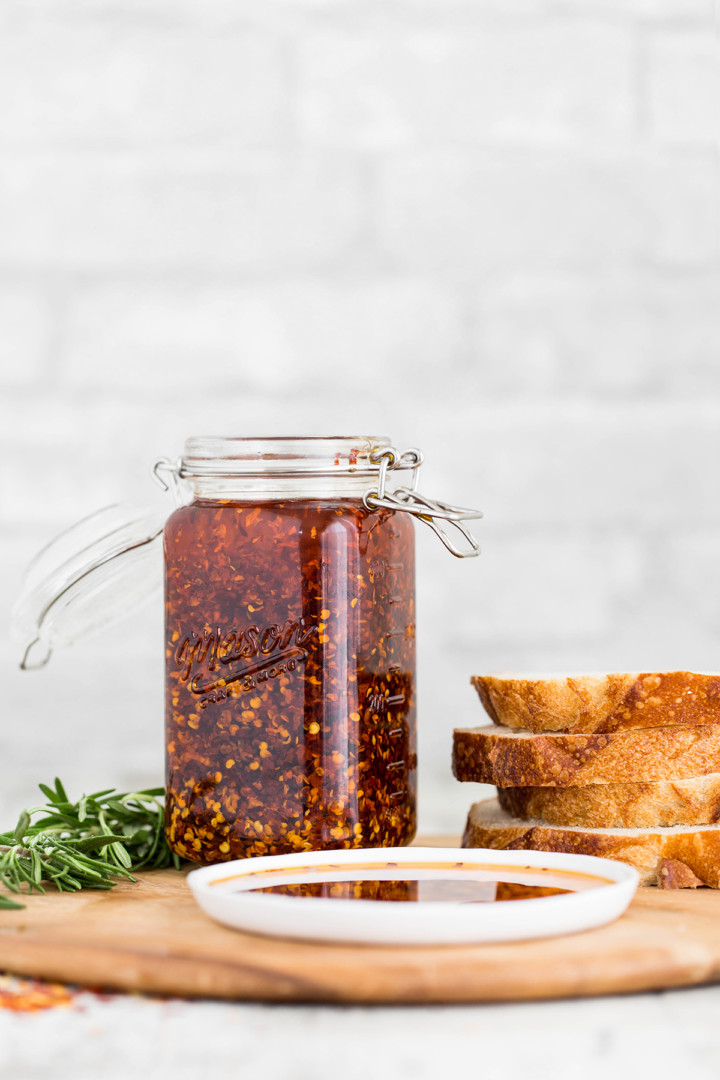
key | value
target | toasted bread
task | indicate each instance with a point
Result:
(695, 801)
(507, 758)
(586, 704)
(679, 857)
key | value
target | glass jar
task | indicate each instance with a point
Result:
(290, 649)
(290, 637)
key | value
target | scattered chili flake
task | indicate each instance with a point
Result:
(290, 704)
(32, 995)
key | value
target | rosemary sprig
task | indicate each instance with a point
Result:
(89, 844)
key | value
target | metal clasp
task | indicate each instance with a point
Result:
(166, 473)
(420, 506)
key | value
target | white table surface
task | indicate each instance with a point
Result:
(116, 1037)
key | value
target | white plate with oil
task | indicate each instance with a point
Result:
(415, 896)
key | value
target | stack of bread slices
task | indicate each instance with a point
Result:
(625, 766)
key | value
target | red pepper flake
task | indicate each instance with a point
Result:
(290, 704)
(32, 995)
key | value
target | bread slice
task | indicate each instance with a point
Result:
(584, 704)
(507, 758)
(680, 857)
(695, 801)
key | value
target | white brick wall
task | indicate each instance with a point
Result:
(627, 333)
(487, 227)
(178, 211)
(423, 85)
(259, 338)
(684, 86)
(24, 335)
(100, 82)
(468, 214)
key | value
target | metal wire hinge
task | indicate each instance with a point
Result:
(420, 506)
(167, 474)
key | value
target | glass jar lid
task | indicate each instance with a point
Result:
(93, 574)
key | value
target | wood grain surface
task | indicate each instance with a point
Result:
(152, 937)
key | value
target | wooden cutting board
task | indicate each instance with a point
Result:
(152, 937)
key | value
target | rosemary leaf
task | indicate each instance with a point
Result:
(89, 844)
(92, 843)
(6, 904)
(60, 790)
(22, 826)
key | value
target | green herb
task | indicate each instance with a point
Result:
(89, 844)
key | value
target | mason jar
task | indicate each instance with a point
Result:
(290, 652)
(290, 696)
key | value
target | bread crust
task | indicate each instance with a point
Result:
(585, 704)
(507, 759)
(695, 801)
(677, 875)
(688, 857)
